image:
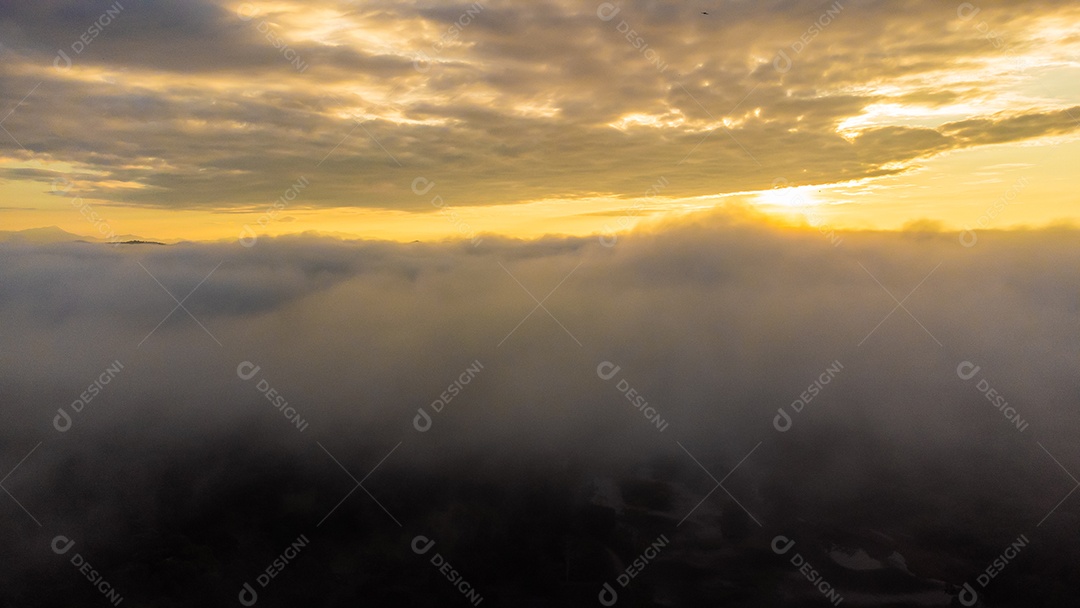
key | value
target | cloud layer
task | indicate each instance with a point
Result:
(179, 104)
(718, 322)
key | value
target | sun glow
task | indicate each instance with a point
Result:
(799, 197)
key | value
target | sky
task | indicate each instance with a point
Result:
(193, 119)
(546, 281)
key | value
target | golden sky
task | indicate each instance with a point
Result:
(416, 120)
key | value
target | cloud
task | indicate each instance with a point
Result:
(1015, 128)
(718, 321)
(519, 100)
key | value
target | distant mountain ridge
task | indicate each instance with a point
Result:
(55, 234)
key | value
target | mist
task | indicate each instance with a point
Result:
(478, 396)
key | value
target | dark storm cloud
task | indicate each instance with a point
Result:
(201, 110)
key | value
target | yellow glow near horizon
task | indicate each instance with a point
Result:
(955, 190)
(799, 197)
(1034, 180)
(520, 136)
